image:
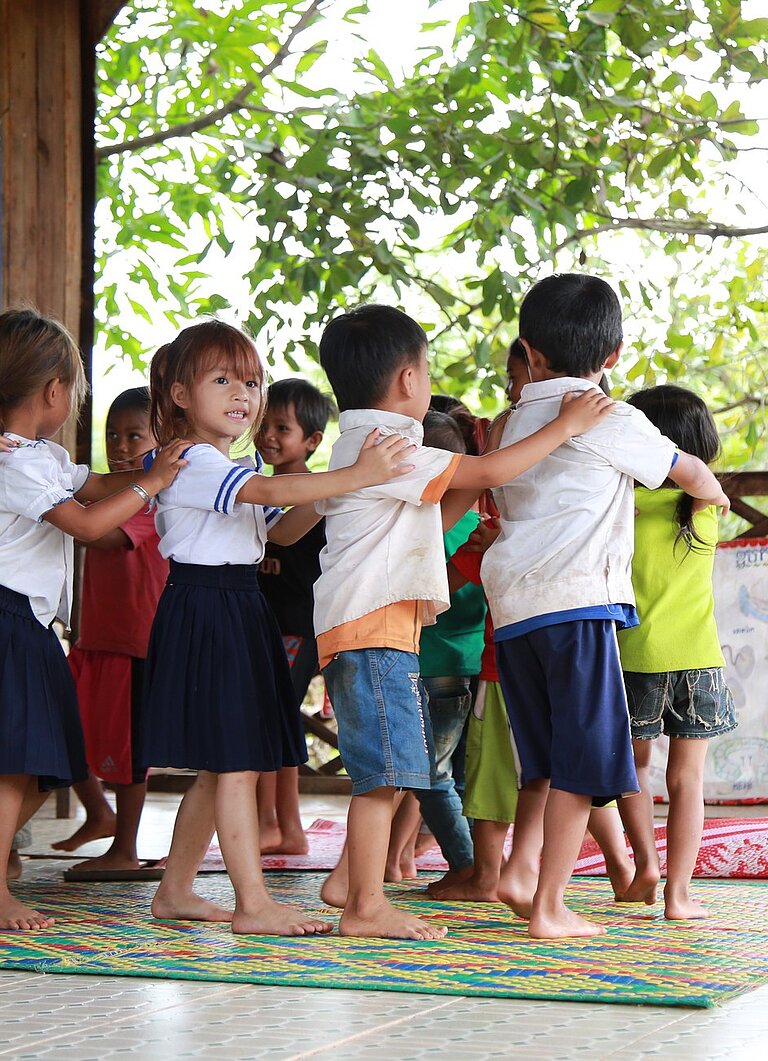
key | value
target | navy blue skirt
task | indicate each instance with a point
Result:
(217, 687)
(40, 731)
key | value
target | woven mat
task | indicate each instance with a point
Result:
(106, 930)
(730, 848)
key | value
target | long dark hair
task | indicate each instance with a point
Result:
(682, 416)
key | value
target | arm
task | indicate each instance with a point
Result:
(115, 539)
(94, 522)
(577, 415)
(294, 524)
(98, 486)
(376, 463)
(456, 580)
(693, 476)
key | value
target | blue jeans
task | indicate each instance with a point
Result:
(449, 704)
(383, 732)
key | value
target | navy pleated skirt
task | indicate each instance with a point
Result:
(40, 731)
(217, 690)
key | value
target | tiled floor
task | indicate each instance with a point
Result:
(81, 1018)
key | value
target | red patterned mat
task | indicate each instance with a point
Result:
(730, 847)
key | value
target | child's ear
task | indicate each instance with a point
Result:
(614, 357)
(313, 441)
(407, 380)
(51, 390)
(179, 395)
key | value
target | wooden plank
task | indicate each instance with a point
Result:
(19, 131)
(744, 484)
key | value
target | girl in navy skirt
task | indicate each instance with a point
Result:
(41, 742)
(218, 694)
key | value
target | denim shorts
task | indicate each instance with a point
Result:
(682, 703)
(379, 702)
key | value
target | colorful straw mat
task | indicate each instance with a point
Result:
(106, 929)
(730, 847)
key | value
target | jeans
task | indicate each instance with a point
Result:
(449, 704)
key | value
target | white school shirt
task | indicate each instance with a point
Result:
(36, 558)
(383, 544)
(199, 520)
(567, 524)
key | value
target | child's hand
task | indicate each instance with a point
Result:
(484, 535)
(7, 445)
(721, 502)
(165, 467)
(381, 459)
(580, 411)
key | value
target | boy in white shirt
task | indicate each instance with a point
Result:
(383, 576)
(558, 585)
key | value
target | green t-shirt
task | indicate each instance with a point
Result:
(454, 645)
(673, 588)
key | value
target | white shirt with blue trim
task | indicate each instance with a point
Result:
(199, 519)
(36, 558)
(568, 523)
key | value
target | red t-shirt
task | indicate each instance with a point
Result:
(121, 589)
(468, 563)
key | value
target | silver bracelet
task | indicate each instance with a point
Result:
(141, 492)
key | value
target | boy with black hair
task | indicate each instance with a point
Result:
(383, 575)
(296, 417)
(558, 585)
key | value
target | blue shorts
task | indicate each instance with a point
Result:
(567, 707)
(379, 703)
(684, 703)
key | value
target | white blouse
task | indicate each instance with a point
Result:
(36, 558)
(198, 518)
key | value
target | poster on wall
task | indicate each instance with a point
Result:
(737, 764)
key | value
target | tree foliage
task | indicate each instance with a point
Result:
(593, 134)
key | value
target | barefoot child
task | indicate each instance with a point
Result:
(384, 574)
(122, 582)
(218, 696)
(292, 429)
(672, 662)
(41, 741)
(558, 582)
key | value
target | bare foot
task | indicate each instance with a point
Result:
(642, 889)
(385, 921)
(109, 860)
(188, 907)
(334, 889)
(16, 917)
(517, 897)
(408, 868)
(472, 890)
(448, 880)
(293, 842)
(561, 924)
(621, 875)
(14, 869)
(270, 838)
(91, 829)
(683, 908)
(424, 842)
(277, 919)
(392, 874)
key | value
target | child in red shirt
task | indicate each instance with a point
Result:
(124, 577)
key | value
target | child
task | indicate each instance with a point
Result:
(558, 583)
(123, 579)
(292, 429)
(449, 658)
(383, 575)
(41, 742)
(218, 691)
(672, 662)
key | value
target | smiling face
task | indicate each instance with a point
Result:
(128, 439)
(219, 407)
(281, 440)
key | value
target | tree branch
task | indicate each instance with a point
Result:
(216, 115)
(713, 230)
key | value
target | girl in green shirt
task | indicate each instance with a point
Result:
(672, 662)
